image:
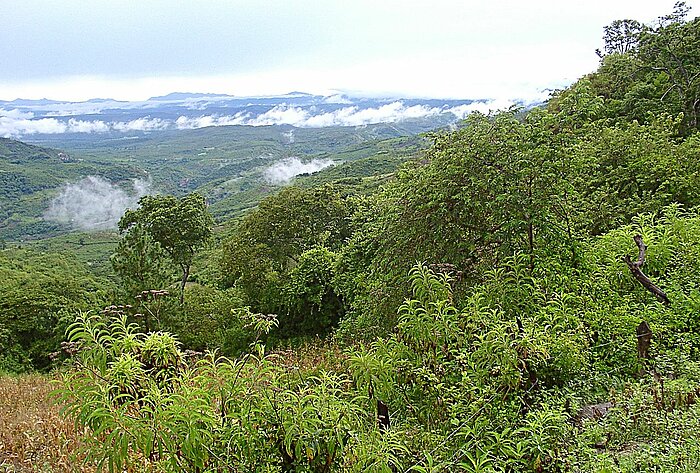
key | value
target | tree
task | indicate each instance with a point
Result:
(313, 305)
(623, 170)
(481, 194)
(39, 293)
(140, 262)
(621, 37)
(269, 242)
(180, 226)
(673, 52)
(651, 68)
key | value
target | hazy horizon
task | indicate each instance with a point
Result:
(78, 50)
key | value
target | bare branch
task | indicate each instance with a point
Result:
(636, 269)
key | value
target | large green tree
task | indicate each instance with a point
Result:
(280, 255)
(650, 69)
(672, 51)
(181, 226)
(481, 193)
(140, 262)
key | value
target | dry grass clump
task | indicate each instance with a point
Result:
(33, 435)
(311, 357)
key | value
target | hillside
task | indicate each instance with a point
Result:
(227, 164)
(520, 293)
(30, 177)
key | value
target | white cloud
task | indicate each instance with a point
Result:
(338, 98)
(201, 103)
(283, 171)
(289, 136)
(16, 123)
(94, 203)
(15, 127)
(16, 114)
(281, 115)
(461, 111)
(77, 108)
(142, 124)
(188, 123)
(347, 116)
(82, 126)
(392, 112)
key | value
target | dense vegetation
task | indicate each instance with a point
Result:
(524, 296)
(29, 176)
(225, 164)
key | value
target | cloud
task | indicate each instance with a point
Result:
(16, 123)
(77, 108)
(347, 116)
(461, 111)
(289, 136)
(281, 115)
(188, 123)
(16, 114)
(83, 126)
(337, 99)
(389, 113)
(94, 203)
(142, 124)
(14, 127)
(283, 171)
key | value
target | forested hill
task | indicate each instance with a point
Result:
(521, 296)
(49, 192)
(647, 70)
(30, 176)
(16, 150)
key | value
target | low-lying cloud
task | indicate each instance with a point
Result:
(14, 123)
(141, 124)
(289, 137)
(189, 123)
(283, 171)
(11, 126)
(461, 111)
(346, 116)
(94, 203)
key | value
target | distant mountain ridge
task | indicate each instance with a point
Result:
(185, 96)
(187, 110)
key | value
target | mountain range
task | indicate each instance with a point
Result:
(40, 119)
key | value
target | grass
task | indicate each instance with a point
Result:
(34, 437)
(93, 249)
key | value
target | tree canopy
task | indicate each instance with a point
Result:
(181, 226)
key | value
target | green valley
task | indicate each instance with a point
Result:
(517, 291)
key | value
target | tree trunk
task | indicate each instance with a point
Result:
(383, 415)
(185, 276)
(644, 336)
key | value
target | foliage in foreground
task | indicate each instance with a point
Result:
(495, 385)
(142, 402)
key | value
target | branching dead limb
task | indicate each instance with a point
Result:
(636, 269)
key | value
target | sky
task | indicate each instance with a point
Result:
(135, 49)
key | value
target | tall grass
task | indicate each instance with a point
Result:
(34, 437)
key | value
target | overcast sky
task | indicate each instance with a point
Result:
(131, 50)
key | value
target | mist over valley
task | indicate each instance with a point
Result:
(34, 119)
